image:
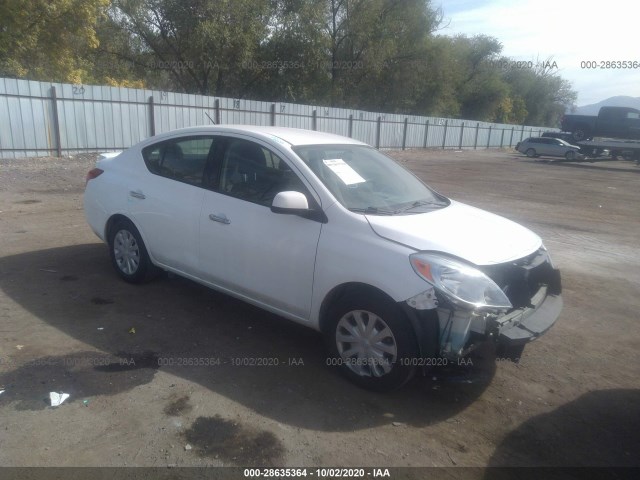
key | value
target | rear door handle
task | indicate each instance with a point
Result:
(138, 194)
(219, 218)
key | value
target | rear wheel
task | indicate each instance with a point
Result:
(580, 133)
(372, 342)
(129, 255)
(531, 153)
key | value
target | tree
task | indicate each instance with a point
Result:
(290, 62)
(376, 49)
(204, 46)
(459, 81)
(546, 95)
(46, 39)
(481, 89)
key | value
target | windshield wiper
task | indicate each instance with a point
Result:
(420, 203)
(373, 211)
(388, 211)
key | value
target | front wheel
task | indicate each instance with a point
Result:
(531, 153)
(372, 342)
(570, 155)
(129, 255)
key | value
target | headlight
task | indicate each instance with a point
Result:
(462, 284)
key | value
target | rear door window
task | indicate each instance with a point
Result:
(182, 159)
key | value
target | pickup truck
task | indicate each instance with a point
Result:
(611, 122)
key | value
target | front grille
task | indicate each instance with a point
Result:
(522, 279)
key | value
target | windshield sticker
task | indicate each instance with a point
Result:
(344, 172)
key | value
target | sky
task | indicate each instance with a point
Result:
(570, 31)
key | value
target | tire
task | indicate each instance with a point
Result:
(129, 255)
(381, 366)
(570, 155)
(531, 153)
(580, 134)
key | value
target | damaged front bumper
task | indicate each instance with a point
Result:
(526, 324)
(446, 330)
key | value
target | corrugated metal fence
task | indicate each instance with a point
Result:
(41, 119)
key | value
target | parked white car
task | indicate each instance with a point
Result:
(330, 233)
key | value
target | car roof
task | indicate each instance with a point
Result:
(292, 136)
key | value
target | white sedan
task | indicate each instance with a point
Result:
(330, 233)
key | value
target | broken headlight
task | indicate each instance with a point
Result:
(462, 284)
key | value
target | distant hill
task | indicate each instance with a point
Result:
(620, 101)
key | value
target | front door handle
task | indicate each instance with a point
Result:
(219, 218)
(138, 194)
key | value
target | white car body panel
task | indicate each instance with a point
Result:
(460, 230)
(348, 252)
(260, 254)
(169, 216)
(107, 155)
(107, 197)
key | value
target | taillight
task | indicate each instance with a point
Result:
(95, 173)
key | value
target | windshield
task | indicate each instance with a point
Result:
(365, 181)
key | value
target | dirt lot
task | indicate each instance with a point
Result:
(66, 325)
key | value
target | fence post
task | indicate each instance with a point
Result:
(314, 120)
(502, 138)
(152, 117)
(461, 133)
(351, 126)
(216, 108)
(378, 132)
(444, 137)
(56, 121)
(426, 133)
(475, 142)
(522, 133)
(489, 136)
(273, 114)
(404, 134)
(511, 139)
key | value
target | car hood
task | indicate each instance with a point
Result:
(466, 232)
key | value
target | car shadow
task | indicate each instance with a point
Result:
(262, 361)
(598, 429)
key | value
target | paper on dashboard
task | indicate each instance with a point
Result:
(344, 172)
